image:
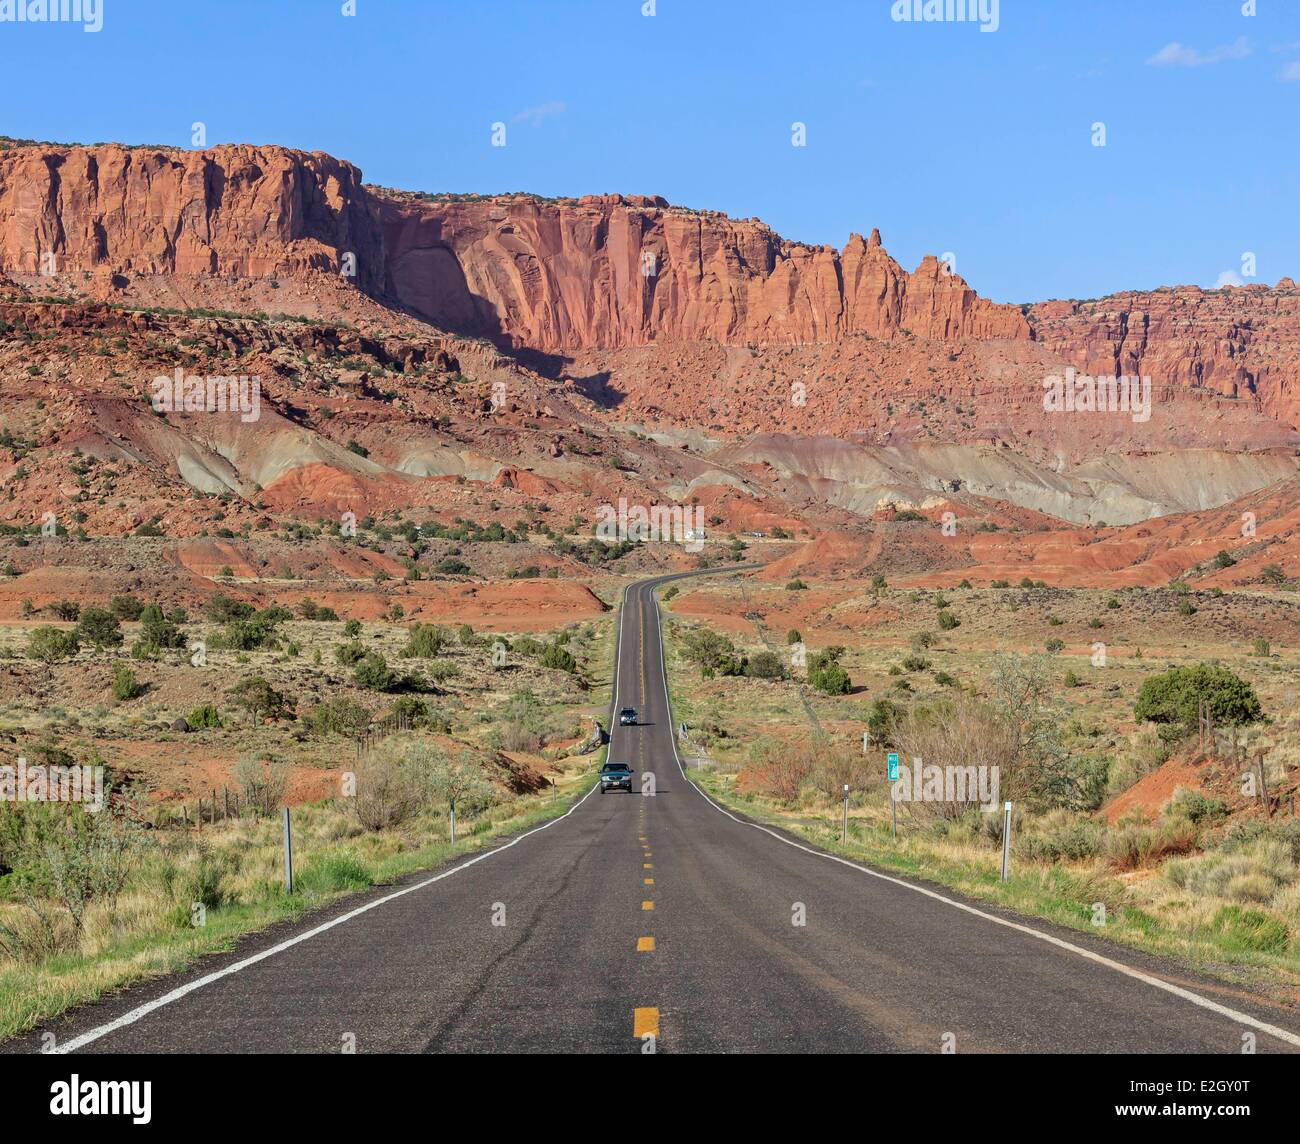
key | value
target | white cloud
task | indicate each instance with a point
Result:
(1228, 278)
(536, 115)
(1291, 73)
(1178, 55)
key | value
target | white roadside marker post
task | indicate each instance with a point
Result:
(846, 813)
(1006, 839)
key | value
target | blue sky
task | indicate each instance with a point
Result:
(947, 138)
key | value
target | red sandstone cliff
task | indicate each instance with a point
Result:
(236, 211)
(1238, 342)
(610, 271)
(603, 271)
(569, 276)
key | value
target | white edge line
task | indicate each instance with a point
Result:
(176, 994)
(1177, 990)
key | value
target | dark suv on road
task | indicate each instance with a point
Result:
(627, 717)
(616, 776)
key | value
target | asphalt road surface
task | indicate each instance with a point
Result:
(659, 921)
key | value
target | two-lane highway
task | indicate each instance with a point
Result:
(660, 920)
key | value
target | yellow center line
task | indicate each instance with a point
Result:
(645, 945)
(648, 881)
(647, 865)
(647, 905)
(645, 1021)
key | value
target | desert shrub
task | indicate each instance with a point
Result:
(826, 674)
(221, 609)
(1145, 752)
(419, 714)
(457, 783)
(256, 696)
(126, 607)
(559, 658)
(779, 768)
(262, 783)
(374, 674)
(441, 669)
(349, 654)
(49, 645)
(425, 641)
(35, 932)
(915, 663)
(765, 665)
(88, 858)
(947, 621)
(1173, 697)
(520, 723)
(67, 610)
(1241, 836)
(517, 736)
(1073, 840)
(339, 716)
(711, 650)
(100, 628)
(204, 716)
(249, 635)
(836, 764)
(881, 719)
(1195, 807)
(125, 685)
(157, 632)
(956, 731)
(1133, 845)
(198, 876)
(390, 787)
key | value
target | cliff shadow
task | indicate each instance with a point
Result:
(593, 386)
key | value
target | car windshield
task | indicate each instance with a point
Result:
(622, 767)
